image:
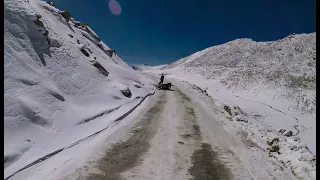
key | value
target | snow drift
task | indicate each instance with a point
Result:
(59, 84)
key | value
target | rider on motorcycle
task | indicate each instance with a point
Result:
(161, 79)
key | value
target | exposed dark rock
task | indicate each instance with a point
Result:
(282, 131)
(296, 138)
(84, 52)
(288, 133)
(228, 109)
(274, 148)
(67, 16)
(272, 141)
(39, 23)
(51, 3)
(126, 93)
(101, 68)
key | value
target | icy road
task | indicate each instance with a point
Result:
(176, 134)
(73, 109)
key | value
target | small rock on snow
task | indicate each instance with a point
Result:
(288, 133)
(282, 131)
(296, 138)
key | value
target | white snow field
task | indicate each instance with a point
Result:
(59, 86)
(73, 109)
(274, 84)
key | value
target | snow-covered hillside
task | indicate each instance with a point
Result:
(289, 63)
(274, 83)
(60, 83)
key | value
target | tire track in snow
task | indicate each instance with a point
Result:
(127, 154)
(243, 162)
(205, 161)
(296, 119)
(197, 87)
(114, 109)
(48, 156)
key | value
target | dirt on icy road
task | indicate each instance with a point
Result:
(178, 137)
(125, 155)
(166, 143)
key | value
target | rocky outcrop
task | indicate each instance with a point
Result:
(126, 92)
(100, 67)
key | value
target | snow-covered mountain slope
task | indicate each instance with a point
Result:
(274, 83)
(143, 67)
(59, 86)
(289, 62)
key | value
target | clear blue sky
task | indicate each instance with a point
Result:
(162, 31)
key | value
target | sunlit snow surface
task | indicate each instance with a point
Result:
(274, 83)
(53, 95)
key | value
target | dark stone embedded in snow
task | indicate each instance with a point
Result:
(272, 141)
(66, 15)
(126, 93)
(56, 95)
(282, 131)
(293, 147)
(238, 110)
(228, 109)
(101, 68)
(296, 138)
(92, 34)
(84, 52)
(51, 3)
(39, 23)
(274, 148)
(273, 145)
(288, 133)
(110, 52)
(239, 118)
(83, 25)
(136, 68)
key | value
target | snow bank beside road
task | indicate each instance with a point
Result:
(54, 95)
(272, 82)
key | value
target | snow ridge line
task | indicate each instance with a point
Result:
(127, 113)
(103, 113)
(79, 141)
(98, 115)
(263, 104)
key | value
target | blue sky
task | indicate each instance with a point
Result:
(162, 31)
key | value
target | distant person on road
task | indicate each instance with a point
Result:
(161, 79)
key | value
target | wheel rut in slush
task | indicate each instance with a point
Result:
(125, 155)
(205, 161)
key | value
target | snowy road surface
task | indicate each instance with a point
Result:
(75, 111)
(179, 136)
